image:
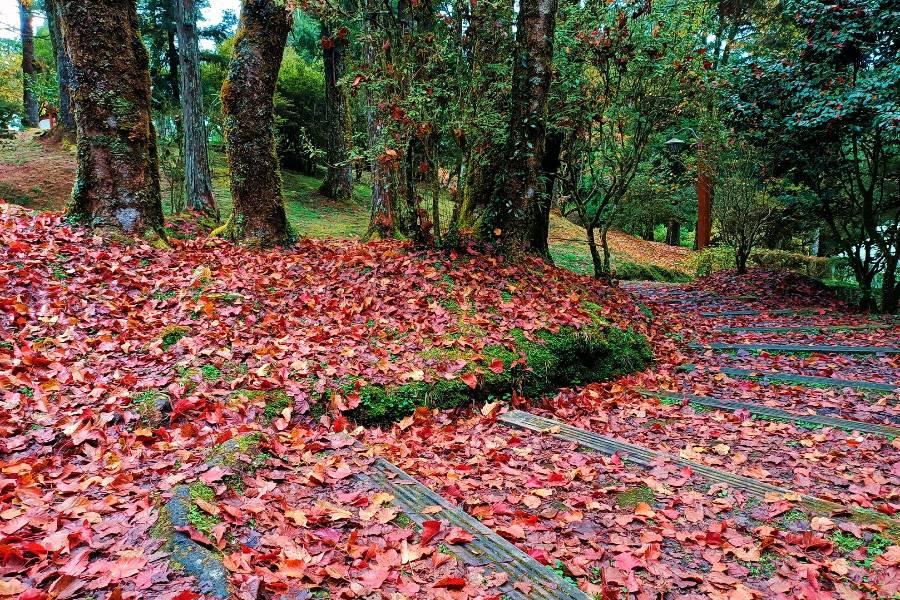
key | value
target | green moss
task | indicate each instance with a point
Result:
(227, 453)
(210, 372)
(172, 334)
(199, 518)
(148, 405)
(568, 357)
(764, 568)
(634, 496)
(276, 402)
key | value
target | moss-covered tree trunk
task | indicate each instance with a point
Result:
(117, 186)
(258, 217)
(31, 114)
(382, 220)
(338, 182)
(515, 206)
(197, 178)
(63, 68)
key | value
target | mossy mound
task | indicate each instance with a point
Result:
(532, 366)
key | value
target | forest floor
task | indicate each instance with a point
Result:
(39, 173)
(135, 379)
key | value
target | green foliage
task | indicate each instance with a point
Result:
(634, 496)
(172, 334)
(299, 112)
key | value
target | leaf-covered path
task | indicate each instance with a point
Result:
(128, 372)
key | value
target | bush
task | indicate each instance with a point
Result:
(631, 271)
(720, 258)
(813, 266)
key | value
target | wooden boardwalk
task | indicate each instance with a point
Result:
(797, 348)
(488, 549)
(645, 457)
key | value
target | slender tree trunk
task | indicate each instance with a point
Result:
(673, 232)
(514, 208)
(596, 258)
(338, 182)
(258, 217)
(117, 187)
(197, 177)
(890, 290)
(31, 115)
(63, 69)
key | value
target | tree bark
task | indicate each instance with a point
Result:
(63, 68)
(197, 177)
(258, 217)
(515, 207)
(31, 115)
(117, 186)
(540, 226)
(338, 182)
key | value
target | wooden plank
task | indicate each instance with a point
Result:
(488, 549)
(778, 414)
(804, 328)
(748, 313)
(645, 457)
(807, 380)
(798, 348)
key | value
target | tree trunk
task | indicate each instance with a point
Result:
(258, 217)
(382, 220)
(63, 69)
(197, 177)
(338, 182)
(740, 260)
(673, 232)
(31, 115)
(514, 209)
(890, 290)
(540, 226)
(596, 258)
(117, 186)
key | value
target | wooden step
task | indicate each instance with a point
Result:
(795, 348)
(777, 414)
(807, 380)
(804, 328)
(488, 549)
(646, 457)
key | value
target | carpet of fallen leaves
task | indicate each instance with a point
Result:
(84, 325)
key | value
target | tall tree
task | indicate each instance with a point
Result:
(519, 202)
(117, 186)
(197, 178)
(338, 182)
(63, 67)
(31, 114)
(258, 217)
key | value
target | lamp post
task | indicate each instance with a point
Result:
(704, 189)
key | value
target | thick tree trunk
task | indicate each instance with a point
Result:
(540, 226)
(515, 207)
(117, 187)
(382, 222)
(31, 115)
(197, 178)
(63, 68)
(258, 217)
(338, 182)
